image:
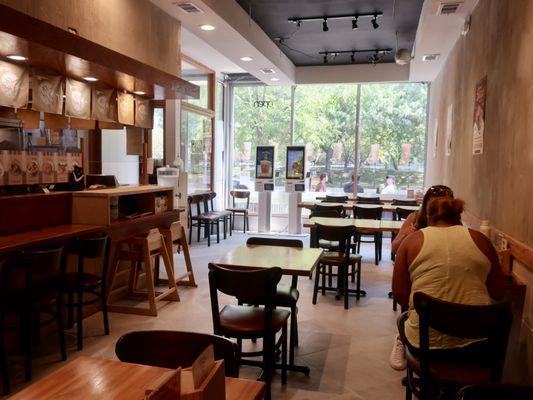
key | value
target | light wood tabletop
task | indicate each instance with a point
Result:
(293, 261)
(349, 205)
(96, 379)
(366, 224)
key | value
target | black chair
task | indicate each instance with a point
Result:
(368, 200)
(335, 199)
(248, 322)
(286, 296)
(235, 209)
(220, 216)
(81, 283)
(496, 391)
(40, 269)
(398, 202)
(401, 214)
(199, 219)
(174, 349)
(377, 237)
(449, 370)
(323, 207)
(341, 259)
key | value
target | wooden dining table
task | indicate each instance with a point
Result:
(98, 379)
(350, 204)
(375, 225)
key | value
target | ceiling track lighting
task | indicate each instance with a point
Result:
(373, 59)
(353, 17)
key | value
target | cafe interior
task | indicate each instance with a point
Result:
(267, 199)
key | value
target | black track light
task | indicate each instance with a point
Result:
(326, 58)
(352, 57)
(375, 21)
(354, 24)
(325, 25)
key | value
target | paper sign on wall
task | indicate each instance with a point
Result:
(14, 85)
(449, 130)
(78, 99)
(479, 116)
(47, 93)
(435, 138)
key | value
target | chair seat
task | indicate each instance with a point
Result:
(336, 258)
(286, 295)
(237, 210)
(455, 373)
(327, 244)
(218, 214)
(87, 281)
(248, 321)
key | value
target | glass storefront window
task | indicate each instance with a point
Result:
(196, 144)
(199, 78)
(158, 136)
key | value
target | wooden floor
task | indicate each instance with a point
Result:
(347, 350)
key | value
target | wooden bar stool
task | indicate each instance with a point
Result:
(141, 251)
(176, 240)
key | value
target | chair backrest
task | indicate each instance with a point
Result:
(401, 213)
(398, 202)
(92, 247)
(193, 201)
(464, 321)
(495, 391)
(207, 202)
(367, 213)
(257, 286)
(240, 194)
(335, 199)
(333, 213)
(173, 349)
(338, 208)
(341, 234)
(275, 242)
(368, 200)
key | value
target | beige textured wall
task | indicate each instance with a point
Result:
(136, 28)
(497, 185)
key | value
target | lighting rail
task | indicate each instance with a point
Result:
(354, 17)
(375, 58)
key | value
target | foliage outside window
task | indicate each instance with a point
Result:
(158, 140)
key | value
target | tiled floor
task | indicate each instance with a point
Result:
(347, 350)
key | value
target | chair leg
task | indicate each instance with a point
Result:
(26, 338)
(323, 272)
(104, 310)
(190, 233)
(376, 250)
(315, 289)
(358, 284)
(247, 223)
(284, 355)
(218, 231)
(60, 330)
(352, 275)
(3, 359)
(344, 269)
(79, 319)
(293, 333)
(208, 230)
(70, 310)
(330, 275)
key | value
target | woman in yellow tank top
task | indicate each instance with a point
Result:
(448, 261)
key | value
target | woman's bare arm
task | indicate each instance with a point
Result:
(495, 279)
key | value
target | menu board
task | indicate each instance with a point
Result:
(32, 167)
(62, 167)
(48, 167)
(295, 162)
(264, 162)
(14, 165)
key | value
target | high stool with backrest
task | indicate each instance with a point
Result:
(449, 370)
(235, 209)
(286, 296)
(174, 349)
(40, 268)
(248, 322)
(341, 259)
(368, 213)
(142, 249)
(82, 283)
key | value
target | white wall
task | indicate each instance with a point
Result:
(114, 158)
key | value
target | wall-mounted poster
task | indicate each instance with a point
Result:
(435, 138)
(104, 105)
(295, 162)
(144, 113)
(14, 85)
(264, 162)
(449, 130)
(479, 116)
(78, 99)
(47, 93)
(125, 109)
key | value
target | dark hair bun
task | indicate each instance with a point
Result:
(445, 209)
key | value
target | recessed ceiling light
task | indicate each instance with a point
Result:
(90, 78)
(15, 57)
(274, 79)
(207, 27)
(140, 92)
(247, 59)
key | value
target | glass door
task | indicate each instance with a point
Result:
(196, 144)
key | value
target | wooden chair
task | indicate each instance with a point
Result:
(451, 370)
(246, 322)
(176, 241)
(398, 202)
(335, 199)
(341, 259)
(174, 349)
(199, 219)
(221, 216)
(401, 214)
(81, 283)
(142, 250)
(368, 213)
(240, 194)
(339, 209)
(368, 200)
(286, 296)
(496, 391)
(40, 269)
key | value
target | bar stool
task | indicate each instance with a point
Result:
(141, 250)
(81, 283)
(240, 194)
(176, 239)
(40, 268)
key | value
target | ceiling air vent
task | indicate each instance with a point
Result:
(430, 57)
(449, 7)
(267, 71)
(189, 8)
